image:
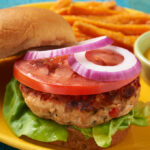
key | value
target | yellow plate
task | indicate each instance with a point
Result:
(137, 139)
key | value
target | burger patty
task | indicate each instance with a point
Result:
(82, 111)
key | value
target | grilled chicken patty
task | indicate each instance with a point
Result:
(82, 111)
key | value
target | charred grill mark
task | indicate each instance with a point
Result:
(127, 92)
(108, 98)
(95, 111)
(85, 106)
(45, 96)
(102, 108)
(68, 107)
(81, 105)
(74, 104)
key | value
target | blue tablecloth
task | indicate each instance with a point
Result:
(9, 3)
(143, 5)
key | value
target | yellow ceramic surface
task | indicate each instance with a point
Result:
(137, 139)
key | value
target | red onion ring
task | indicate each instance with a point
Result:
(81, 46)
(128, 68)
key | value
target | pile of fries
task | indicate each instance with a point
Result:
(92, 19)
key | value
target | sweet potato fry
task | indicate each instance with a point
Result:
(79, 35)
(106, 19)
(87, 8)
(108, 4)
(93, 18)
(72, 18)
(127, 29)
(88, 4)
(118, 37)
(62, 11)
(62, 4)
(91, 8)
(82, 10)
(126, 18)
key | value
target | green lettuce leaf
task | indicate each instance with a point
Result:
(138, 116)
(141, 113)
(23, 122)
(103, 133)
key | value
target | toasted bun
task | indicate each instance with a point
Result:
(23, 28)
(77, 141)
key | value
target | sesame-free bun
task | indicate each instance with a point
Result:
(24, 28)
(77, 141)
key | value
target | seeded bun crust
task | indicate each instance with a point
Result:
(77, 141)
(24, 28)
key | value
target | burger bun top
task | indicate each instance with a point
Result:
(23, 28)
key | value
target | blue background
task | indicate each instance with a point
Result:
(143, 5)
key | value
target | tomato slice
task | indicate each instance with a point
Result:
(104, 57)
(56, 76)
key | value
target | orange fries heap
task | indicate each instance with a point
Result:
(92, 19)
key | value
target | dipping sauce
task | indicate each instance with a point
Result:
(147, 54)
